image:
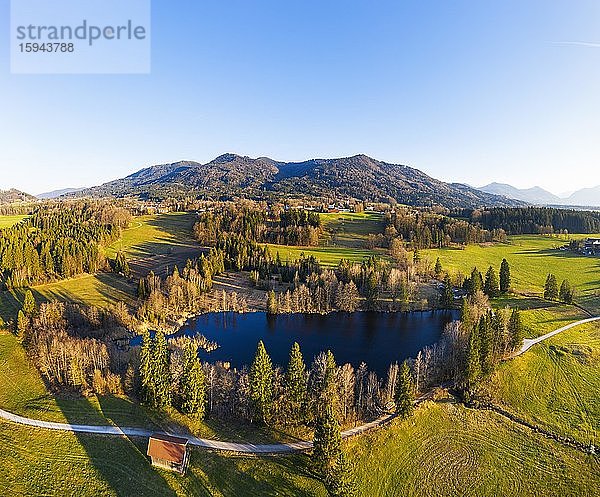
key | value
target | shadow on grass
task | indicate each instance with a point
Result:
(260, 476)
(120, 462)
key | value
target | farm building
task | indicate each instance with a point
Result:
(592, 246)
(169, 452)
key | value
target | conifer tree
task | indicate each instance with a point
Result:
(504, 276)
(23, 324)
(327, 440)
(473, 362)
(515, 330)
(438, 268)
(404, 392)
(448, 293)
(193, 384)
(491, 287)
(295, 384)
(340, 480)
(261, 383)
(271, 303)
(465, 316)
(147, 367)
(485, 344)
(475, 282)
(121, 264)
(162, 373)
(566, 292)
(551, 288)
(28, 304)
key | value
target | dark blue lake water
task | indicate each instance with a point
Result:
(378, 339)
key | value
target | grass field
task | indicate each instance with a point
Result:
(327, 256)
(531, 258)
(444, 449)
(151, 243)
(447, 450)
(98, 290)
(556, 384)
(8, 221)
(150, 236)
(157, 243)
(348, 229)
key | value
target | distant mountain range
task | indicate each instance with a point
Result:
(587, 197)
(11, 196)
(57, 193)
(358, 177)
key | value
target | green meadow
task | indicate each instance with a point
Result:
(555, 384)
(349, 229)
(444, 447)
(531, 258)
(150, 243)
(11, 220)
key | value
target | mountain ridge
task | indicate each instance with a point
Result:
(359, 176)
(536, 195)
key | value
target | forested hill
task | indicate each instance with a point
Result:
(12, 196)
(358, 177)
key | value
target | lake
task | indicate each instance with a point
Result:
(376, 338)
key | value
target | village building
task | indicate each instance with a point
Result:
(592, 246)
(169, 452)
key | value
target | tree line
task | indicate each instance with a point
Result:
(534, 220)
(258, 223)
(56, 242)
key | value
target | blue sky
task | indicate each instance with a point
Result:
(470, 91)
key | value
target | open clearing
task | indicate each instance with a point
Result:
(531, 258)
(157, 243)
(327, 256)
(348, 229)
(11, 220)
(449, 450)
(555, 384)
(152, 243)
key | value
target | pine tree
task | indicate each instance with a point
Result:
(28, 304)
(551, 288)
(147, 368)
(193, 384)
(475, 282)
(485, 344)
(23, 325)
(327, 440)
(141, 289)
(491, 286)
(261, 383)
(515, 330)
(473, 362)
(504, 276)
(438, 268)
(566, 292)
(340, 480)
(404, 392)
(121, 264)
(295, 384)
(162, 373)
(447, 300)
(271, 303)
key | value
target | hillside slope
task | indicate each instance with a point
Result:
(358, 177)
